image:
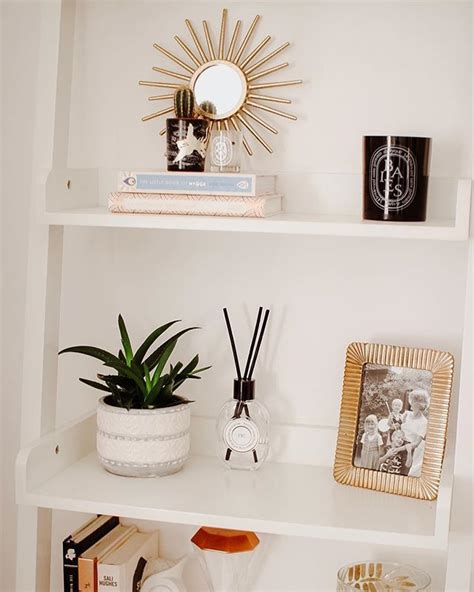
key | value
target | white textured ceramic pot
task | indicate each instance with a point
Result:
(143, 442)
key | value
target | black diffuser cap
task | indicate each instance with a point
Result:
(244, 390)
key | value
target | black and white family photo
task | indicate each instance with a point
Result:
(393, 419)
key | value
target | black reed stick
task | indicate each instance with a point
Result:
(254, 452)
(252, 343)
(232, 344)
(259, 343)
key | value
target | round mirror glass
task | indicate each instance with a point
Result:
(219, 89)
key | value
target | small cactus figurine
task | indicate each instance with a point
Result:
(186, 135)
(208, 107)
(184, 103)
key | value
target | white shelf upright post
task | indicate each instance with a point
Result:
(44, 277)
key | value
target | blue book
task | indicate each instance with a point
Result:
(233, 184)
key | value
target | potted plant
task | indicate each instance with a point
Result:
(186, 135)
(142, 424)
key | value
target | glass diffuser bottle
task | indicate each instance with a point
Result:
(243, 428)
(243, 424)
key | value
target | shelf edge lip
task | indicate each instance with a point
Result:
(359, 229)
(429, 542)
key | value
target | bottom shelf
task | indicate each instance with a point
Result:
(285, 499)
(280, 564)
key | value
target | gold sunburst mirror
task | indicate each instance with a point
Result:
(226, 79)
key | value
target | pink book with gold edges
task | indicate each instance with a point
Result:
(195, 205)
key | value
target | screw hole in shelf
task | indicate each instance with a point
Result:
(56, 450)
(68, 184)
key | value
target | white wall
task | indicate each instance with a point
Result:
(369, 67)
(19, 38)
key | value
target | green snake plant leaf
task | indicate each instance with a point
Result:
(158, 379)
(162, 363)
(183, 377)
(188, 369)
(166, 396)
(127, 346)
(116, 395)
(202, 369)
(116, 379)
(187, 372)
(94, 352)
(175, 371)
(147, 379)
(123, 398)
(129, 391)
(95, 384)
(164, 358)
(124, 370)
(145, 346)
(179, 380)
(139, 370)
(177, 400)
(152, 396)
(154, 358)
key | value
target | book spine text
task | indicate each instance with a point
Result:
(196, 184)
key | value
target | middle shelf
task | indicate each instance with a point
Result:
(61, 471)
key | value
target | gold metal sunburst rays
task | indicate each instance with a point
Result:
(239, 64)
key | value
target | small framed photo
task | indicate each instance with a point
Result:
(393, 419)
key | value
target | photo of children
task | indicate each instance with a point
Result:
(393, 419)
(372, 444)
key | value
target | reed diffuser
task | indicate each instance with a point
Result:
(243, 423)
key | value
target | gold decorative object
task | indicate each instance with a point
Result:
(382, 577)
(225, 78)
(361, 356)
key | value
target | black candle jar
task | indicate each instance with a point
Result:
(396, 170)
(186, 142)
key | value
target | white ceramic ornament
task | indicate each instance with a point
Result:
(164, 575)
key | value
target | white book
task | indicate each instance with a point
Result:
(122, 569)
(196, 205)
(87, 563)
(177, 183)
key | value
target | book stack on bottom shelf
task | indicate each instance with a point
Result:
(198, 194)
(104, 555)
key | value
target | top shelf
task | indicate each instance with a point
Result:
(285, 223)
(75, 197)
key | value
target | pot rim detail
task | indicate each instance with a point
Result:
(102, 404)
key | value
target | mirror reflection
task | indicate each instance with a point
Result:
(220, 90)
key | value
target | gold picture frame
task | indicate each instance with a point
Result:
(349, 468)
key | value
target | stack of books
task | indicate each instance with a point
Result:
(198, 194)
(104, 555)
